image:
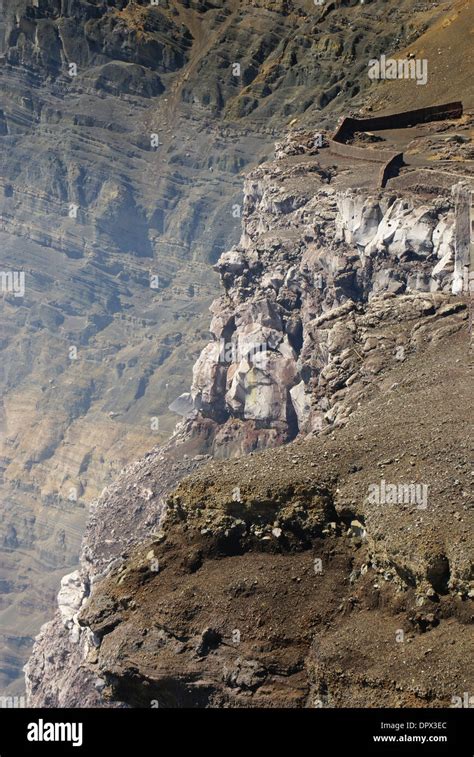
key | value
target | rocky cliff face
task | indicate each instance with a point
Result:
(254, 582)
(315, 268)
(274, 581)
(123, 129)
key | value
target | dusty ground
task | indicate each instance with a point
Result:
(230, 605)
(447, 46)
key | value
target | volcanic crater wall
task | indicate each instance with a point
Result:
(341, 287)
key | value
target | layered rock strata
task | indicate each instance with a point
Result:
(337, 327)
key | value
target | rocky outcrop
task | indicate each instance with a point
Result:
(277, 579)
(315, 268)
(336, 318)
(124, 127)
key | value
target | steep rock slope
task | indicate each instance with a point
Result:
(275, 580)
(349, 290)
(294, 343)
(240, 611)
(123, 128)
(446, 46)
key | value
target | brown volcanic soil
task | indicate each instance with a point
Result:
(168, 617)
(448, 46)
